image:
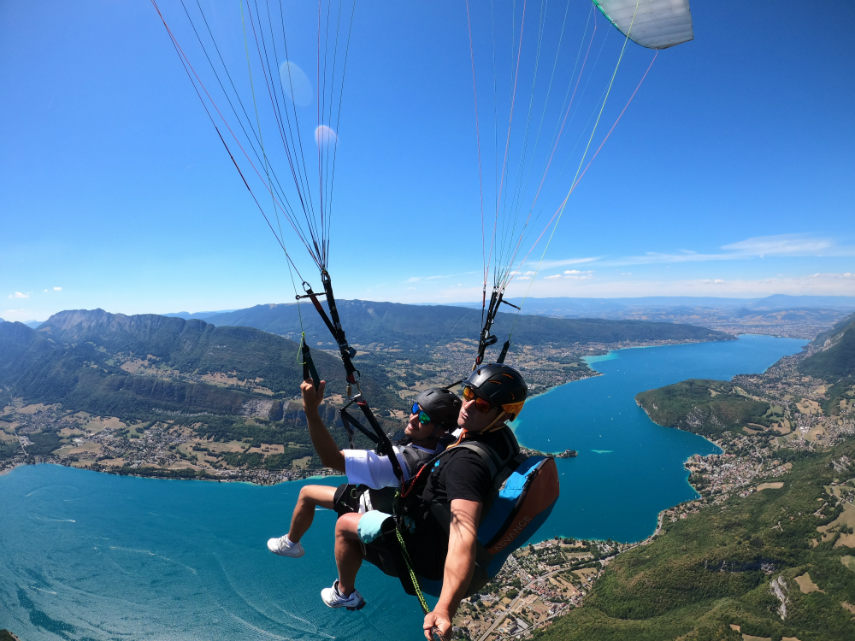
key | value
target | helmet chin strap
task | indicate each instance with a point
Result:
(492, 427)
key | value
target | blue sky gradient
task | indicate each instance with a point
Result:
(730, 174)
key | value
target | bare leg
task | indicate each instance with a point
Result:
(304, 511)
(348, 551)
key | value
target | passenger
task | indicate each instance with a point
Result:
(456, 490)
(434, 411)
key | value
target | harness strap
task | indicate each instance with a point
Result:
(490, 456)
(504, 352)
(347, 352)
(384, 445)
(377, 435)
(349, 423)
(333, 323)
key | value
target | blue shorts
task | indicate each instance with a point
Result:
(371, 525)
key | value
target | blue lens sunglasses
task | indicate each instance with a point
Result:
(423, 417)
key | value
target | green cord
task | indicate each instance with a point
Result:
(412, 572)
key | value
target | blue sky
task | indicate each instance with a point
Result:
(730, 173)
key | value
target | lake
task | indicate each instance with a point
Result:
(89, 556)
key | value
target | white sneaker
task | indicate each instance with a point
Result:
(335, 599)
(283, 546)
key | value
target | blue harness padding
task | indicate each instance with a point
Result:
(525, 500)
(506, 500)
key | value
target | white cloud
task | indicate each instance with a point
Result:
(568, 274)
(599, 284)
(845, 277)
(13, 315)
(815, 284)
(789, 245)
(578, 274)
(562, 262)
(19, 295)
(421, 279)
(782, 244)
(52, 289)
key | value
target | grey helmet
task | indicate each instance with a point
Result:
(441, 405)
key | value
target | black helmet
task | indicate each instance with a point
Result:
(501, 385)
(441, 405)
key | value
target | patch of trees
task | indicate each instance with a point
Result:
(704, 406)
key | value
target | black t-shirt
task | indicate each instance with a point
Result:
(459, 474)
(463, 474)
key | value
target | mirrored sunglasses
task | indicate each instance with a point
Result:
(482, 404)
(423, 417)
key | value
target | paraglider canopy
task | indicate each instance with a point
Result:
(656, 24)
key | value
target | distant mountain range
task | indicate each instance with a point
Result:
(413, 326)
(611, 307)
(619, 307)
(116, 364)
(665, 308)
(793, 316)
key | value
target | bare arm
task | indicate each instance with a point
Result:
(322, 440)
(459, 565)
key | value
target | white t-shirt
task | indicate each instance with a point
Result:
(367, 467)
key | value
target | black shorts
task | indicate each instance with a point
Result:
(359, 498)
(346, 498)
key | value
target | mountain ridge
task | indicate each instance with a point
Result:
(400, 324)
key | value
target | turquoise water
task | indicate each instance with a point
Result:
(629, 469)
(89, 556)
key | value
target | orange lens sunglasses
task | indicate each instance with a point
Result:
(482, 404)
